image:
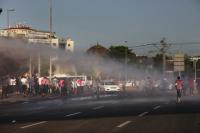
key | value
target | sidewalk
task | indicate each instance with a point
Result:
(14, 98)
(20, 98)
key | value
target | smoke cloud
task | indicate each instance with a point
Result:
(73, 63)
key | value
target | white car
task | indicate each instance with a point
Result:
(109, 86)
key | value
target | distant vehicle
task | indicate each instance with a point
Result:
(165, 85)
(109, 86)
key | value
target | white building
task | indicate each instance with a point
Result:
(37, 36)
(69, 45)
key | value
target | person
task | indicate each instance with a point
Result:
(19, 85)
(31, 88)
(5, 85)
(55, 86)
(24, 82)
(74, 86)
(36, 86)
(191, 86)
(148, 86)
(46, 88)
(179, 87)
(12, 84)
(198, 85)
(62, 86)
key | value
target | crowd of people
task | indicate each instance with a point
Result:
(42, 86)
(34, 86)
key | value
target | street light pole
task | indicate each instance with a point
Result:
(50, 20)
(30, 66)
(8, 17)
(39, 65)
(50, 68)
(50, 30)
(195, 70)
(195, 60)
(125, 61)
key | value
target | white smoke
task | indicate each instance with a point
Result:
(75, 63)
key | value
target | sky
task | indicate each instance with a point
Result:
(110, 22)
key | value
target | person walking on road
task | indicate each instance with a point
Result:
(191, 86)
(179, 87)
(24, 82)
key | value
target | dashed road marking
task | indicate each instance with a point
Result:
(34, 124)
(143, 114)
(167, 103)
(157, 107)
(73, 114)
(124, 123)
(99, 107)
(25, 102)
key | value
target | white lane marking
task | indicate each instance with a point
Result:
(157, 107)
(124, 123)
(25, 102)
(34, 124)
(167, 103)
(99, 107)
(73, 114)
(142, 114)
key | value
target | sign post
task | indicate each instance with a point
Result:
(195, 59)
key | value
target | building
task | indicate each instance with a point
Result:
(37, 36)
(69, 45)
(98, 50)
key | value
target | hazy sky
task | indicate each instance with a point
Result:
(111, 21)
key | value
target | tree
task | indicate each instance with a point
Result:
(158, 62)
(1, 10)
(118, 53)
(189, 66)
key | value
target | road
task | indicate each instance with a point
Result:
(156, 114)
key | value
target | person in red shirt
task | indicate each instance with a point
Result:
(179, 87)
(62, 86)
(46, 83)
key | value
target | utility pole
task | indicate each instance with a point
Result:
(163, 51)
(125, 62)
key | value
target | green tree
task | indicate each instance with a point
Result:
(118, 53)
(1, 10)
(189, 68)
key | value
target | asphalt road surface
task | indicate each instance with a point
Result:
(153, 114)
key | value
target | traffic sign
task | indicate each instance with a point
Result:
(179, 64)
(179, 68)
